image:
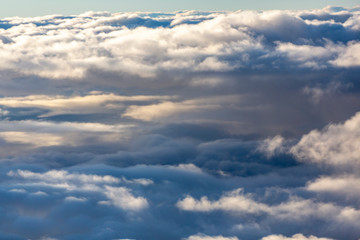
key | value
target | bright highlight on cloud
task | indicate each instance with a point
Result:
(187, 125)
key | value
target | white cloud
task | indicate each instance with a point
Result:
(349, 57)
(272, 146)
(189, 167)
(101, 50)
(171, 110)
(353, 22)
(134, 44)
(75, 199)
(295, 209)
(337, 144)
(35, 134)
(33, 138)
(308, 55)
(158, 112)
(39, 193)
(62, 175)
(346, 185)
(205, 237)
(95, 102)
(120, 197)
(294, 237)
(18, 190)
(140, 181)
(235, 202)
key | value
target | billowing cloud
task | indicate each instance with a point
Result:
(337, 144)
(143, 45)
(349, 57)
(295, 209)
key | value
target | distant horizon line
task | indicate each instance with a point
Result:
(177, 11)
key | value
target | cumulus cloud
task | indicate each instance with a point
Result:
(272, 146)
(294, 237)
(294, 209)
(336, 144)
(71, 47)
(233, 201)
(205, 237)
(122, 198)
(349, 57)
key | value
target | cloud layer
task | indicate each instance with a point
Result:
(186, 125)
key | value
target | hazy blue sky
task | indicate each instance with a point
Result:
(26, 8)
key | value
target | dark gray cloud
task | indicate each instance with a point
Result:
(186, 125)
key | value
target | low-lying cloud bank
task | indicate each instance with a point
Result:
(186, 125)
(145, 45)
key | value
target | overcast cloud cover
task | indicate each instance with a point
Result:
(187, 125)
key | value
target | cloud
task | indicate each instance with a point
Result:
(205, 237)
(56, 176)
(30, 134)
(189, 167)
(272, 146)
(163, 110)
(337, 144)
(75, 199)
(122, 198)
(127, 43)
(294, 237)
(309, 56)
(184, 125)
(35, 139)
(346, 186)
(234, 201)
(95, 102)
(349, 57)
(294, 209)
